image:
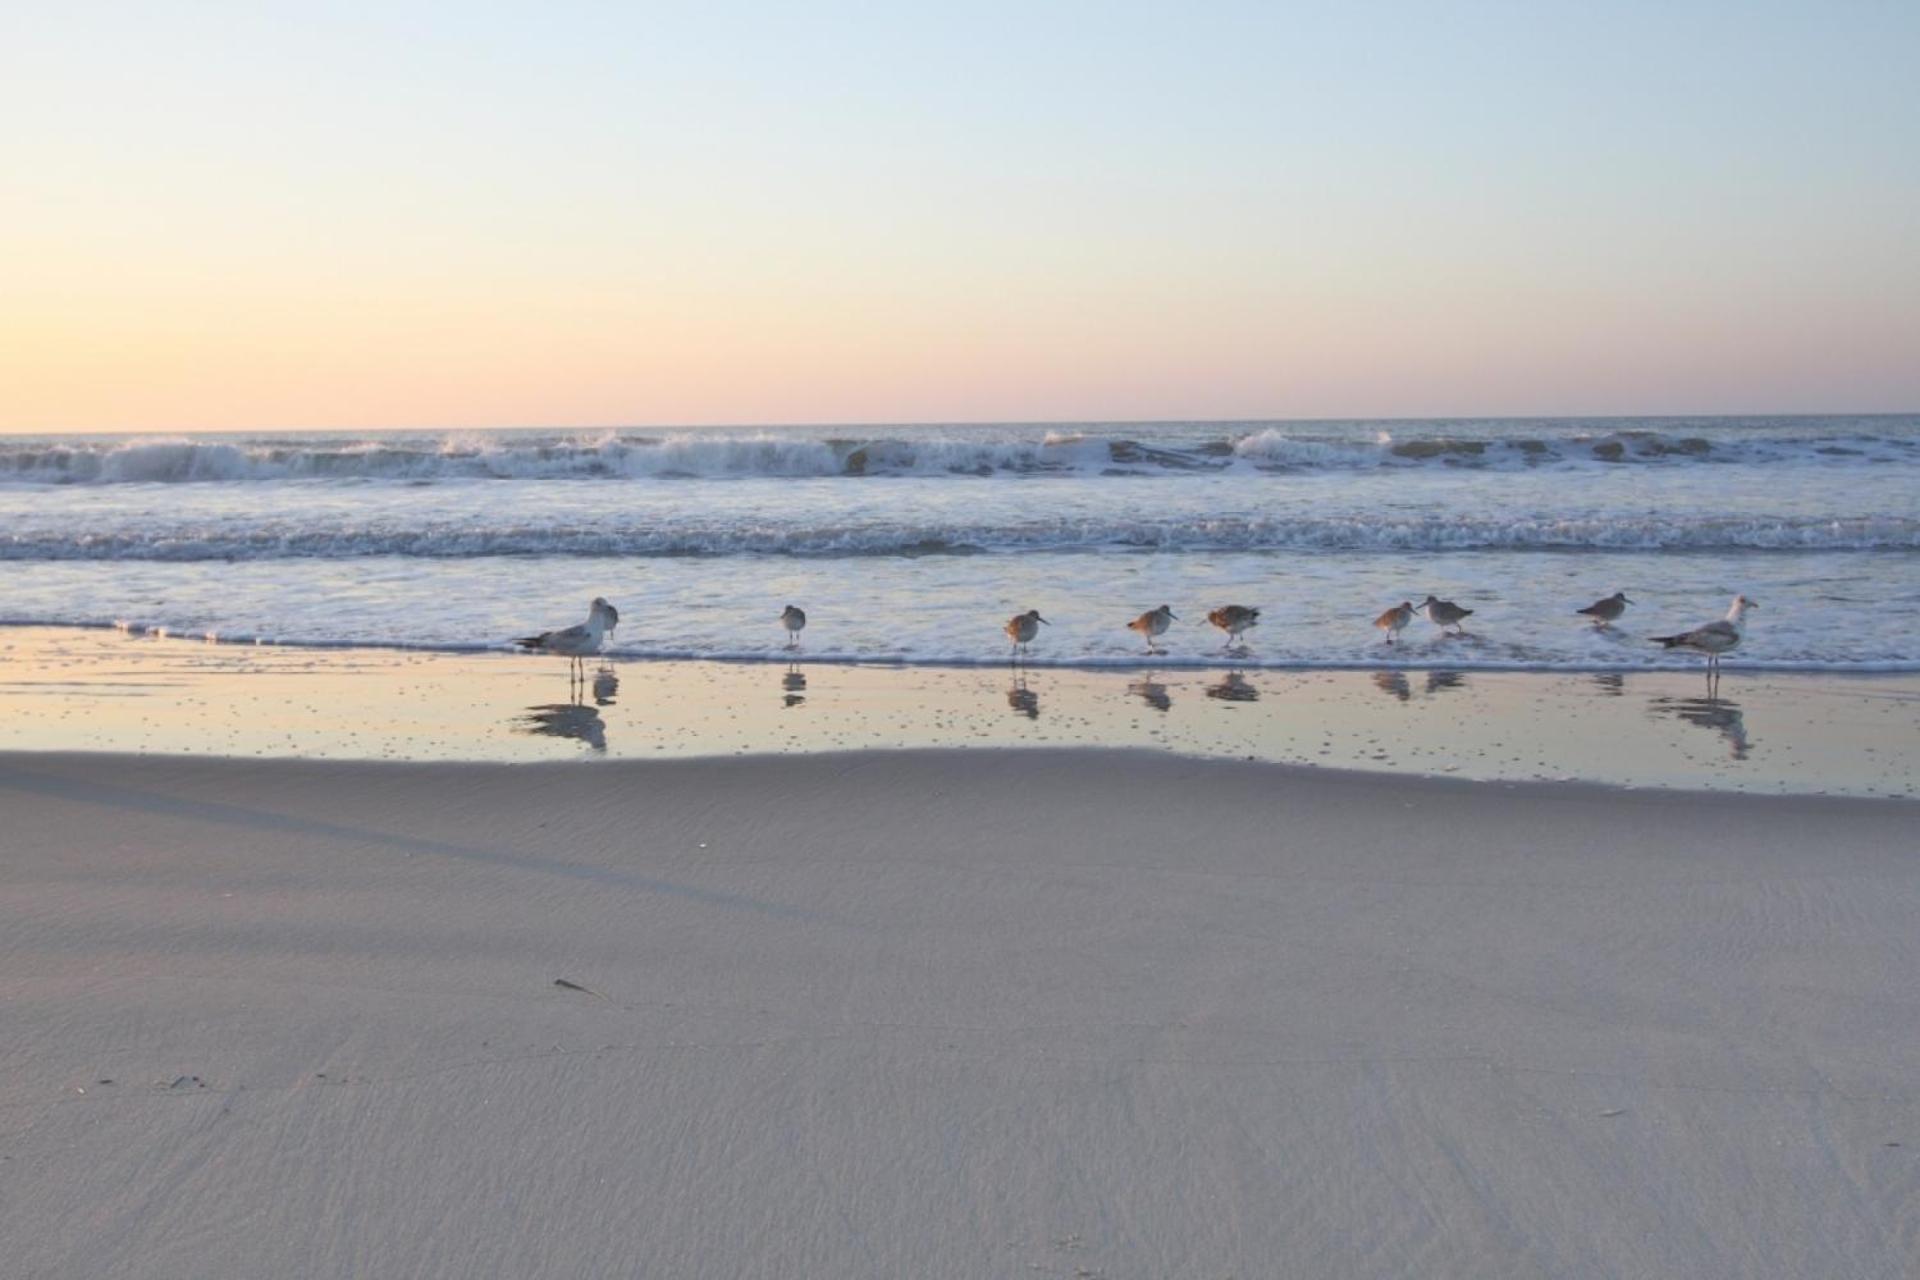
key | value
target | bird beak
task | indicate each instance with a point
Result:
(1173, 615)
(1039, 619)
(1624, 600)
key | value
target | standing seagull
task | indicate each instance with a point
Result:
(576, 642)
(1021, 628)
(1234, 619)
(1606, 612)
(1152, 623)
(795, 621)
(1713, 639)
(1395, 620)
(1444, 614)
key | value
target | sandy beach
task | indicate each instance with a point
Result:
(935, 1013)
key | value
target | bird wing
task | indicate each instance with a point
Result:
(565, 638)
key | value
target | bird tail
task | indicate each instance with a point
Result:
(1466, 613)
(531, 642)
(1670, 642)
(1253, 615)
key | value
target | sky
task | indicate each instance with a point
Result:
(257, 216)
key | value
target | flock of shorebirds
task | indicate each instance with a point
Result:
(1713, 639)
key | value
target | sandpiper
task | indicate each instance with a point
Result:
(576, 642)
(795, 621)
(1395, 620)
(1234, 619)
(1444, 614)
(1606, 612)
(1152, 623)
(1021, 628)
(1713, 639)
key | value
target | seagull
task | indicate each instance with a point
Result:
(1234, 619)
(1715, 638)
(795, 621)
(1444, 614)
(1395, 620)
(1021, 628)
(576, 642)
(1608, 611)
(1152, 623)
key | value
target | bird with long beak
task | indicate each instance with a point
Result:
(1021, 628)
(1153, 623)
(1395, 620)
(1606, 612)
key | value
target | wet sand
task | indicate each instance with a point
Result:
(102, 690)
(946, 1013)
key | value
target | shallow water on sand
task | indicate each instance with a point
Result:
(64, 689)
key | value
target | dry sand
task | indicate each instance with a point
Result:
(942, 1014)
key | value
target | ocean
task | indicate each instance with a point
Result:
(913, 544)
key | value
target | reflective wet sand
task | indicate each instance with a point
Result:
(101, 690)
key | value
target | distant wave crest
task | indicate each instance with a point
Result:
(803, 454)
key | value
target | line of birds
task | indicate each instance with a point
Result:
(1713, 639)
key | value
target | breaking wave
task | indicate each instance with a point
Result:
(988, 452)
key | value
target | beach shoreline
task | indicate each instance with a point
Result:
(946, 1013)
(102, 690)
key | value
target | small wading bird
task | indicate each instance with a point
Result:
(577, 642)
(1444, 614)
(1606, 612)
(1715, 638)
(1235, 620)
(1395, 620)
(795, 621)
(1153, 623)
(1021, 628)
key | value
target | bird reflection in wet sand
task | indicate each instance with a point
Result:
(605, 685)
(1441, 681)
(794, 686)
(1393, 683)
(1023, 700)
(1718, 714)
(1151, 692)
(573, 720)
(1610, 683)
(1233, 687)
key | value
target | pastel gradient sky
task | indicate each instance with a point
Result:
(248, 216)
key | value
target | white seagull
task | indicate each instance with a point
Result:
(575, 643)
(1713, 639)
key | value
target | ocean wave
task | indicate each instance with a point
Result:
(717, 454)
(231, 540)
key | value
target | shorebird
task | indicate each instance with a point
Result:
(1234, 619)
(1608, 611)
(1444, 614)
(1152, 623)
(1713, 639)
(795, 621)
(575, 643)
(1021, 628)
(1395, 620)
